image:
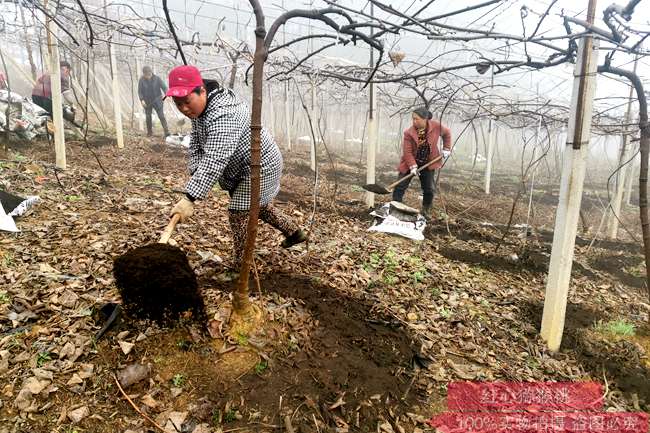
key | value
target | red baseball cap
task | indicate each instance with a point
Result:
(182, 80)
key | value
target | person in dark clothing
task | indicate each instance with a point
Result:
(42, 91)
(151, 89)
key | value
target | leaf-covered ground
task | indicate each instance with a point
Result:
(363, 333)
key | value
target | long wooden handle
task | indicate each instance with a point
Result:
(164, 237)
(410, 175)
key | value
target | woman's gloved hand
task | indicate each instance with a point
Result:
(185, 208)
(414, 170)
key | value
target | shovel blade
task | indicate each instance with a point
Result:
(377, 189)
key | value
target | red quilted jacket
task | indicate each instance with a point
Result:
(410, 145)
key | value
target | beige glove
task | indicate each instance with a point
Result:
(184, 208)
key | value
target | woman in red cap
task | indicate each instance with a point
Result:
(220, 152)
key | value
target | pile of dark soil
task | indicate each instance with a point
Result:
(156, 282)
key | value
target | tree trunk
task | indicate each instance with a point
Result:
(241, 302)
(644, 149)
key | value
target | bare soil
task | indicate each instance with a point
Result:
(363, 331)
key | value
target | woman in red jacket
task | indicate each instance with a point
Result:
(420, 145)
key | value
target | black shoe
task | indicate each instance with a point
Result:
(149, 134)
(295, 238)
(426, 212)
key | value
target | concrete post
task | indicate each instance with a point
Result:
(571, 186)
(57, 98)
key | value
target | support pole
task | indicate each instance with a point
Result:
(372, 130)
(490, 145)
(138, 72)
(532, 176)
(287, 120)
(116, 98)
(629, 184)
(57, 98)
(571, 186)
(378, 122)
(626, 153)
(312, 149)
(271, 121)
(371, 154)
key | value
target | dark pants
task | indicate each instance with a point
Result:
(44, 103)
(426, 181)
(238, 224)
(158, 106)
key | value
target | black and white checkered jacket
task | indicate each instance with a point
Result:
(220, 152)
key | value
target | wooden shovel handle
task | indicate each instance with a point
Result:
(410, 175)
(167, 233)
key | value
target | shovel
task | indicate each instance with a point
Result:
(378, 189)
(167, 233)
(156, 281)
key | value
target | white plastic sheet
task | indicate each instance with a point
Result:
(25, 206)
(6, 222)
(398, 219)
(178, 140)
(27, 119)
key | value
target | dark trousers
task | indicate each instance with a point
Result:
(44, 103)
(426, 181)
(238, 224)
(158, 106)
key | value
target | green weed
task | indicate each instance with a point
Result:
(616, 327)
(261, 366)
(394, 268)
(4, 297)
(242, 339)
(8, 259)
(230, 416)
(178, 380)
(419, 276)
(219, 417)
(184, 345)
(390, 279)
(42, 358)
(637, 271)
